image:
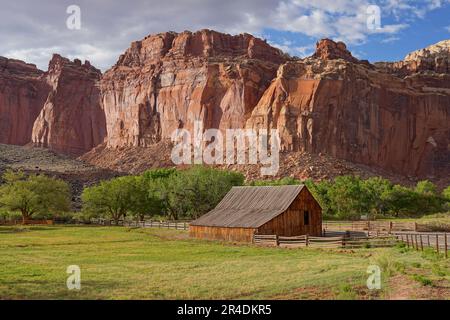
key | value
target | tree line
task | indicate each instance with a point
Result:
(172, 194)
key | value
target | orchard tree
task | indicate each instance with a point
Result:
(33, 194)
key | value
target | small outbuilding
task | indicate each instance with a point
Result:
(245, 211)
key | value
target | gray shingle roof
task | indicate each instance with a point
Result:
(250, 207)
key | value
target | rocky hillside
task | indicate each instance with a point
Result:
(388, 117)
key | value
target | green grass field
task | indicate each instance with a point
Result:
(123, 263)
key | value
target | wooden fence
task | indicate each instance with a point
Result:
(177, 225)
(437, 241)
(370, 226)
(325, 242)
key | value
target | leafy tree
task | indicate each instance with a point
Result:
(401, 200)
(426, 187)
(320, 192)
(34, 194)
(446, 198)
(375, 190)
(347, 197)
(112, 198)
(194, 192)
(446, 193)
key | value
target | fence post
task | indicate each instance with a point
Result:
(307, 240)
(437, 243)
(277, 240)
(428, 240)
(445, 245)
(390, 227)
(421, 242)
(185, 226)
(407, 240)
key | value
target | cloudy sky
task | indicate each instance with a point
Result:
(33, 30)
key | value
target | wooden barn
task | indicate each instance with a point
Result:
(245, 211)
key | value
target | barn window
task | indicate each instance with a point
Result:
(306, 218)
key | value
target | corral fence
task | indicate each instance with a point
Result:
(177, 225)
(369, 226)
(437, 241)
(355, 241)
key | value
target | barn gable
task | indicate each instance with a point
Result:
(250, 207)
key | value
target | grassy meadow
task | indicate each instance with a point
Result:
(126, 263)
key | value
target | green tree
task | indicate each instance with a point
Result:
(446, 193)
(375, 190)
(401, 200)
(347, 197)
(194, 192)
(112, 198)
(426, 187)
(34, 194)
(446, 198)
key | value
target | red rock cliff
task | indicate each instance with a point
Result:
(72, 120)
(22, 95)
(394, 116)
(329, 104)
(169, 80)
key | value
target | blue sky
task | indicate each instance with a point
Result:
(33, 30)
(421, 24)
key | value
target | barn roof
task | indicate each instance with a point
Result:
(250, 207)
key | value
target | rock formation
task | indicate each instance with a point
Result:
(22, 95)
(391, 116)
(354, 112)
(434, 59)
(72, 120)
(169, 80)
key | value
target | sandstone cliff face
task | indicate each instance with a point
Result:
(72, 120)
(353, 112)
(22, 95)
(393, 116)
(168, 81)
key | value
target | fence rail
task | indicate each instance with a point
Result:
(437, 241)
(326, 242)
(177, 225)
(370, 226)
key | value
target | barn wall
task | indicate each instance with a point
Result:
(218, 233)
(290, 223)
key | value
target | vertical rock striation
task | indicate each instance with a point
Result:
(168, 81)
(22, 95)
(72, 120)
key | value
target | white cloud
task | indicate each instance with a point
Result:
(33, 30)
(390, 40)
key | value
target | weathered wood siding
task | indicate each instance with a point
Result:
(222, 233)
(291, 222)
